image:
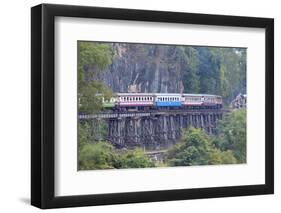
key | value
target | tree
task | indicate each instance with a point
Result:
(233, 72)
(232, 134)
(135, 159)
(93, 58)
(216, 156)
(221, 71)
(190, 73)
(90, 96)
(100, 155)
(196, 148)
(83, 129)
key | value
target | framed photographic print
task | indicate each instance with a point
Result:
(140, 106)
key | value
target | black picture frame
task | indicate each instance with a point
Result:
(43, 105)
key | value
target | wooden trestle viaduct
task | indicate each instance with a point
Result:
(153, 130)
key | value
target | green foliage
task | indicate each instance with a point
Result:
(190, 74)
(232, 134)
(93, 58)
(196, 148)
(102, 155)
(233, 72)
(83, 132)
(91, 133)
(220, 71)
(210, 70)
(226, 147)
(90, 97)
(216, 157)
(135, 159)
(191, 150)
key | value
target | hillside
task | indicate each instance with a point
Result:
(175, 69)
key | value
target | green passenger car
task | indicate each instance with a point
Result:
(108, 103)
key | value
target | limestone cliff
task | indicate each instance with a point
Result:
(144, 68)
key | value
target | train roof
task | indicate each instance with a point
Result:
(189, 94)
(132, 93)
(163, 94)
(148, 94)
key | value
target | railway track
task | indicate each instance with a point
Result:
(108, 115)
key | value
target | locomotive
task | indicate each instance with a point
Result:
(155, 101)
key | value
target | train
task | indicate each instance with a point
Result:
(155, 101)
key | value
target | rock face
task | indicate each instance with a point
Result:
(144, 68)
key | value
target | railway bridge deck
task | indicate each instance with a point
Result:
(149, 129)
